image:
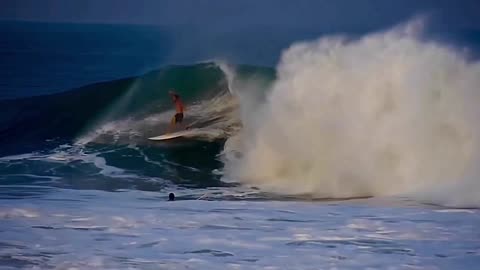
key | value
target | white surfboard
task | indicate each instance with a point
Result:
(194, 132)
(169, 136)
(173, 135)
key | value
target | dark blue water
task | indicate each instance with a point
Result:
(41, 58)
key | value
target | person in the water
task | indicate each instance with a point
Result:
(179, 108)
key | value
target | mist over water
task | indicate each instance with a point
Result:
(388, 114)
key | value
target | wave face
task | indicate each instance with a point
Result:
(388, 114)
(95, 137)
(72, 114)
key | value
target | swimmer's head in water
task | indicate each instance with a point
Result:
(171, 197)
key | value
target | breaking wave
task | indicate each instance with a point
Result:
(387, 114)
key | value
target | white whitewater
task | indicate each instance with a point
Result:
(388, 114)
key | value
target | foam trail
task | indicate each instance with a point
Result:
(388, 114)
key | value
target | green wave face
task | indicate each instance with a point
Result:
(112, 120)
(71, 113)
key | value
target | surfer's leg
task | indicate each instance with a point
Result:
(179, 120)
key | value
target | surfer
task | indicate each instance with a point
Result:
(178, 117)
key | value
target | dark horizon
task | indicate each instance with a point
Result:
(342, 15)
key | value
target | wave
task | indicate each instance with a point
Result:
(96, 136)
(138, 105)
(212, 107)
(387, 114)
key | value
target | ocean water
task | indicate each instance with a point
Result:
(352, 152)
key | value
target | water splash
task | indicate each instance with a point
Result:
(387, 114)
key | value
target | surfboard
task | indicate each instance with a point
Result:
(194, 132)
(174, 135)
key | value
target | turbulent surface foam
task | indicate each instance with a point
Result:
(141, 230)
